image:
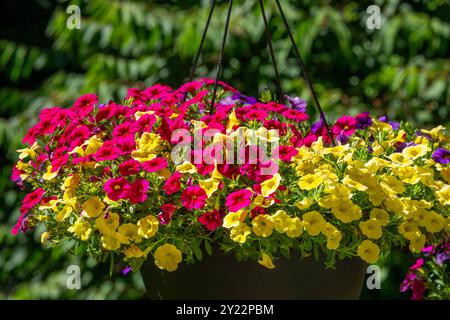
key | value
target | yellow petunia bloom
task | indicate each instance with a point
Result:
(133, 252)
(400, 158)
(407, 174)
(167, 257)
(71, 182)
(294, 228)
(271, 185)
(310, 181)
(64, 213)
(81, 228)
(393, 205)
(92, 145)
(266, 261)
(415, 152)
(186, 167)
(313, 222)
(49, 175)
(369, 251)
(108, 224)
(130, 232)
(209, 185)
(392, 185)
(142, 155)
(280, 220)
(149, 142)
(434, 222)
(233, 121)
(334, 236)
(380, 215)
(233, 219)
(93, 207)
(304, 204)
(240, 233)
(112, 241)
(443, 195)
(262, 226)
(267, 135)
(409, 230)
(28, 152)
(45, 236)
(417, 244)
(371, 229)
(445, 172)
(148, 226)
(347, 211)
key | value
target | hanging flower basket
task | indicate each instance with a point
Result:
(249, 197)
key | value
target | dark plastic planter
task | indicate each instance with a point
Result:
(220, 276)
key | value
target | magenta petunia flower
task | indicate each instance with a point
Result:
(194, 197)
(116, 188)
(137, 191)
(108, 151)
(441, 156)
(345, 125)
(173, 184)
(286, 153)
(211, 220)
(167, 210)
(239, 199)
(155, 164)
(129, 167)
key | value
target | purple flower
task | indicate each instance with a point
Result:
(342, 138)
(404, 145)
(296, 103)
(126, 270)
(317, 126)
(363, 120)
(394, 125)
(441, 258)
(244, 99)
(441, 156)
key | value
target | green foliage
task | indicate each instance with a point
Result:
(401, 70)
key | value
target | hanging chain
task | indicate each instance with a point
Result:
(200, 47)
(303, 67)
(220, 63)
(272, 54)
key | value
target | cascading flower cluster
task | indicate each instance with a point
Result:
(428, 278)
(158, 177)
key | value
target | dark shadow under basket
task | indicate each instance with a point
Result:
(220, 276)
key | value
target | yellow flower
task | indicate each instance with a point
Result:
(209, 185)
(130, 232)
(267, 135)
(271, 185)
(266, 261)
(394, 205)
(337, 193)
(368, 251)
(304, 204)
(49, 175)
(112, 241)
(409, 230)
(232, 121)
(240, 233)
(377, 197)
(380, 215)
(443, 195)
(148, 226)
(92, 145)
(280, 220)
(417, 244)
(28, 152)
(186, 167)
(313, 222)
(262, 226)
(407, 174)
(139, 114)
(149, 142)
(338, 151)
(63, 214)
(233, 219)
(445, 172)
(415, 152)
(45, 236)
(371, 229)
(295, 228)
(93, 207)
(353, 184)
(133, 252)
(109, 224)
(434, 222)
(400, 158)
(334, 236)
(347, 211)
(392, 185)
(167, 257)
(71, 182)
(310, 181)
(142, 155)
(81, 228)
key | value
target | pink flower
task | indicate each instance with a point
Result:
(419, 263)
(108, 151)
(137, 191)
(123, 130)
(85, 101)
(238, 200)
(211, 220)
(193, 197)
(286, 153)
(173, 184)
(155, 164)
(345, 125)
(167, 211)
(129, 167)
(116, 188)
(33, 198)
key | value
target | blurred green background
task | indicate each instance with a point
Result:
(401, 70)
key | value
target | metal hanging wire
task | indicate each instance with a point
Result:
(272, 56)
